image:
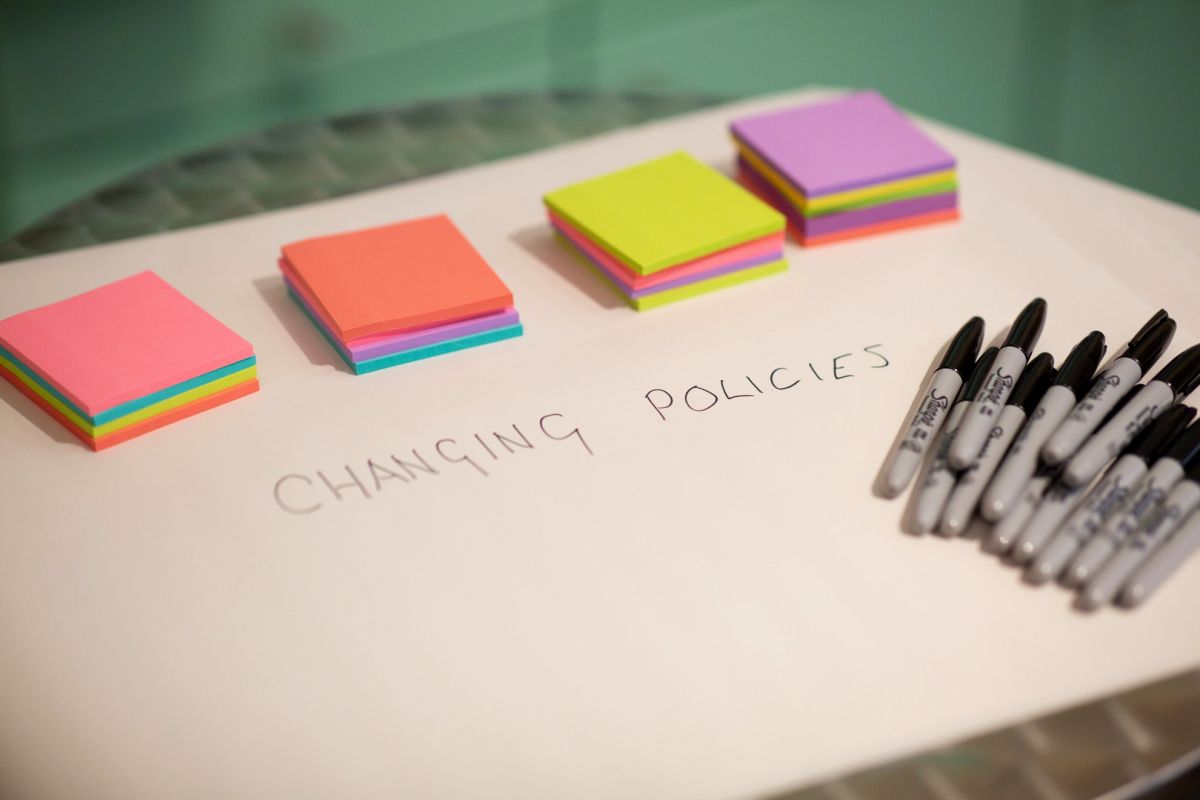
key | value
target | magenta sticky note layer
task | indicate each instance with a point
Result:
(379, 345)
(610, 267)
(120, 342)
(843, 144)
(841, 221)
(760, 250)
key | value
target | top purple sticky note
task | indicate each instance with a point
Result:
(835, 146)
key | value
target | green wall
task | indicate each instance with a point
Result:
(90, 91)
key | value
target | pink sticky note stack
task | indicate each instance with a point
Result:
(124, 359)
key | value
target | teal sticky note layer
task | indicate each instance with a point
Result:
(441, 348)
(118, 411)
(416, 353)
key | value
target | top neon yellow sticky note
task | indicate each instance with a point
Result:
(663, 212)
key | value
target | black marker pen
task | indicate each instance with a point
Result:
(1035, 379)
(1072, 381)
(1167, 471)
(1057, 502)
(1180, 502)
(936, 397)
(1143, 350)
(1172, 383)
(1006, 369)
(939, 480)
(1111, 493)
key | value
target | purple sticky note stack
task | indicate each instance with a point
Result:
(845, 168)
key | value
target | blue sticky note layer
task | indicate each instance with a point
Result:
(118, 411)
(441, 348)
(413, 354)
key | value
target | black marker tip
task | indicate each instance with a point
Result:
(1182, 373)
(1027, 327)
(1157, 319)
(1150, 343)
(1159, 434)
(1081, 363)
(1186, 447)
(979, 374)
(964, 347)
(1034, 381)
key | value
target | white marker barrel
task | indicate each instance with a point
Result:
(1110, 440)
(1177, 548)
(982, 416)
(1022, 459)
(961, 505)
(1182, 500)
(1113, 384)
(1148, 493)
(1106, 499)
(939, 480)
(1006, 532)
(935, 404)
(1056, 505)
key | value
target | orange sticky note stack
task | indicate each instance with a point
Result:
(398, 293)
(124, 359)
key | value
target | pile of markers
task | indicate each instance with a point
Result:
(1091, 479)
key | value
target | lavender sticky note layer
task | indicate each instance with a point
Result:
(408, 341)
(844, 144)
(587, 249)
(440, 333)
(848, 220)
(884, 212)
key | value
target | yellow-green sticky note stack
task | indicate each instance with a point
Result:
(668, 229)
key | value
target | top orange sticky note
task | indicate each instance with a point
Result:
(397, 277)
(120, 342)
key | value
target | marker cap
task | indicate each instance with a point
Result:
(1157, 319)
(1193, 472)
(1159, 434)
(1081, 363)
(1027, 327)
(979, 374)
(1186, 447)
(960, 355)
(1151, 341)
(1159, 316)
(1034, 381)
(1182, 373)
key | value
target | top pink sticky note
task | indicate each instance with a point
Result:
(120, 342)
(842, 144)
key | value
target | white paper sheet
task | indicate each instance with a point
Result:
(707, 606)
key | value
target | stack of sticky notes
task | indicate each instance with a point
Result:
(124, 359)
(845, 168)
(398, 293)
(668, 229)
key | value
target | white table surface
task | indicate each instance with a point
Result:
(711, 606)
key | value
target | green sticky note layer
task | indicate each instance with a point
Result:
(144, 413)
(118, 411)
(924, 191)
(664, 212)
